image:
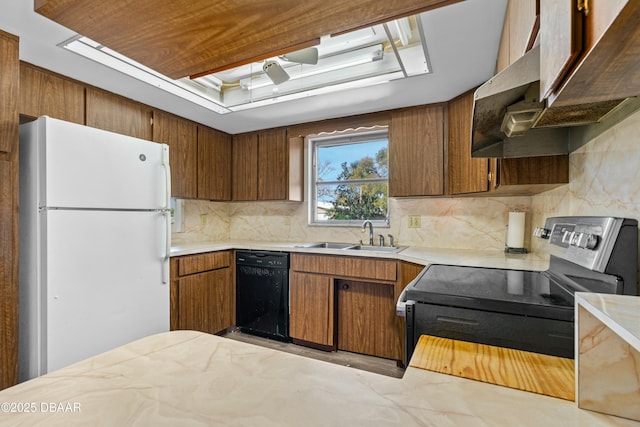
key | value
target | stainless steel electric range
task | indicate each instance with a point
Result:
(521, 309)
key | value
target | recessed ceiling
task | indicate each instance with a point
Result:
(462, 42)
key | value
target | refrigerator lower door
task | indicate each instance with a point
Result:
(102, 283)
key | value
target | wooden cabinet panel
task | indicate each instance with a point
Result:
(199, 263)
(245, 167)
(464, 174)
(43, 92)
(521, 23)
(182, 137)
(606, 67)
(346, 266)
(273, 164)
(9, 83)
(9, 75)
(114, 113)
(367, 320)
(205, 301)
(267, 166)
(416, 152)
(214, 164)
(312, 308)
(8, 271)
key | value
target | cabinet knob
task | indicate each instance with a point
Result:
(345, 286)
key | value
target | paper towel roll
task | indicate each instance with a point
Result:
(515, 232)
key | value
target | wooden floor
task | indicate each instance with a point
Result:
(357, 361)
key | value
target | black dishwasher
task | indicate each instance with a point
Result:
(262, 293)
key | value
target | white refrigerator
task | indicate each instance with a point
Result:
(95, 230)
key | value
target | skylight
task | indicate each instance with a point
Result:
(360, 58)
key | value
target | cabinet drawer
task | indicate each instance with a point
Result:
(192, 264)
(346, 266)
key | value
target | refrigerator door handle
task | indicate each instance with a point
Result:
(167, 175)
(167, 253)
(167, 213)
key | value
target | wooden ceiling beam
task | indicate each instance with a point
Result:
(187, 38)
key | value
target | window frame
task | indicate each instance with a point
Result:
(343, 138)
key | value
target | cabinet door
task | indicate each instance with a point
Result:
(367, 320)
(214, 164)
(311, 308)
(416, 152)
(205, 301)
(273, 164)
(9, 83)
(182, 137)
(43, 92)
(464, 174)
(114, 113)
(245, 167)
(9, 74)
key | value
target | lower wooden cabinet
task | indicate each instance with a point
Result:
(346, 303)
(367, 321)
(202, 292)
(312, 309)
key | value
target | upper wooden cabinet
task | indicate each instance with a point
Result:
(528, 175)
(267, 165)
(464, 173)
(416, 152)
(114, 113)
(45, 93)
(589, 57)
(245, 167)
(214, 164)
(181, 136)
(519, 31)
(9, 83)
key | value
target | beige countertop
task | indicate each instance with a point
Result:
(191, 378)
(415, 254)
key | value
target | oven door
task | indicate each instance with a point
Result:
(546, 336)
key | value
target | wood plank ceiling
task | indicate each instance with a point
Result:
(195, 37)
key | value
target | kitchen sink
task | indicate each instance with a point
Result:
(387, 249)
(328, 245)
(353, 247)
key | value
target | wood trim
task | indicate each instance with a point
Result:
(199, 263)
(346, 266)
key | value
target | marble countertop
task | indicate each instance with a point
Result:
(620, 313)
(191, 378)
(415, 254)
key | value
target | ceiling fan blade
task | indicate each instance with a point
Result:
(303, 56)
(276, 73)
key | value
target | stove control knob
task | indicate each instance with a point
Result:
(591, 241)
(541, 232)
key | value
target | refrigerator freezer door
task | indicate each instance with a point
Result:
(92, 168)
(102, 282)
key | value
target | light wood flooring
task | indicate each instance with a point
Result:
(352, 360)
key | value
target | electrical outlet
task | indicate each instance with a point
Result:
(414, 221)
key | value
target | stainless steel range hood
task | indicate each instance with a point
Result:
(509, 119)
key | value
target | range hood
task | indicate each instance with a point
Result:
(509, 119)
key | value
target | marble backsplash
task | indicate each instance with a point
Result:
(466, 223)
(604, 180)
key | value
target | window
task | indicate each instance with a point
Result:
(349, 178)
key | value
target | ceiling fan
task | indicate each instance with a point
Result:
(278, 75)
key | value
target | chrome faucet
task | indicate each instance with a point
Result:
(364, 227)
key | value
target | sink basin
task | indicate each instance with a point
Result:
(328, 245)
(387, 249)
